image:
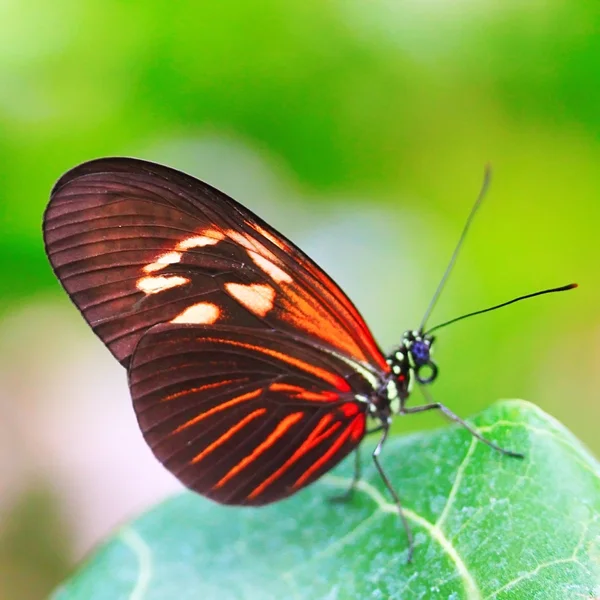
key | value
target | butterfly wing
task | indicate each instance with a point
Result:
(241, 416)
(248, 367)
(136, 244)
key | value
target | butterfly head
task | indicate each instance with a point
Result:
(417, 347)
(411, 359)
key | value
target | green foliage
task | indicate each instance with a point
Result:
(486, 527)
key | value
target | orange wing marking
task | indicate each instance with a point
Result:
(318, 396)
(303, 394)
(229, 434)
(338, 382)
(218, 408)
(257, 298)
(286, 387)
(202, 388)
(208, 237)
(282, 428)
(170, 258)
(314, 320)
(325, 457)
(315, 438)
(310, 318)
(159, 283)
(337, 293)
(202, 313)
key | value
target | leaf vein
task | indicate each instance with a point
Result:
(140, 549)
(529, 574)
(469, 583)
(457, 482)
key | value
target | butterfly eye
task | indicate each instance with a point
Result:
(420, 352)
(427, 372)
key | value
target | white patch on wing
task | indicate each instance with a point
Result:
(271, 269)
(162, 261)
(257, 298)
(209, 237)
(249, 243)
(159, 283)
(243, 239)
(203, 313)
(262, 258)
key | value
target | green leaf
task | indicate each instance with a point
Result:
(486, 527)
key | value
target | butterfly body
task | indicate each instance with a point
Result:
(251, 372)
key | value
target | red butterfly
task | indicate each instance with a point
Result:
(251, 372)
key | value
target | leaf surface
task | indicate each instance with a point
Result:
(486, 527)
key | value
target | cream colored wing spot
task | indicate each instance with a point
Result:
(277, 274)
(268, 236)
(257, 298)
(262, 258)
(159, 283)
(170, 258)
(203, 313)
(208, 237)
(245, 241)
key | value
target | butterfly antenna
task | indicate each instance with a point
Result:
(562, 288)
(484, 187)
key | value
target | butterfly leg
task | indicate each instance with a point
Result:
(347, 495)
(392, 491)
(457, 419)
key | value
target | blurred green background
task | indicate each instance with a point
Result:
(360, 129)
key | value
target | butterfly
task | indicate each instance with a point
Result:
(251, 372)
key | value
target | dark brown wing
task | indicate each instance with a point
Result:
(243, 417)
(136, 244)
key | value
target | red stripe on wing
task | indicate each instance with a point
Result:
(324, 461)
(217, 409)
(316, 436)
(335, 380)
(280, 430)
(243, 443)
(228, 434)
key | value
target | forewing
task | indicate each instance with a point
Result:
(136, 244)
(240, 416)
